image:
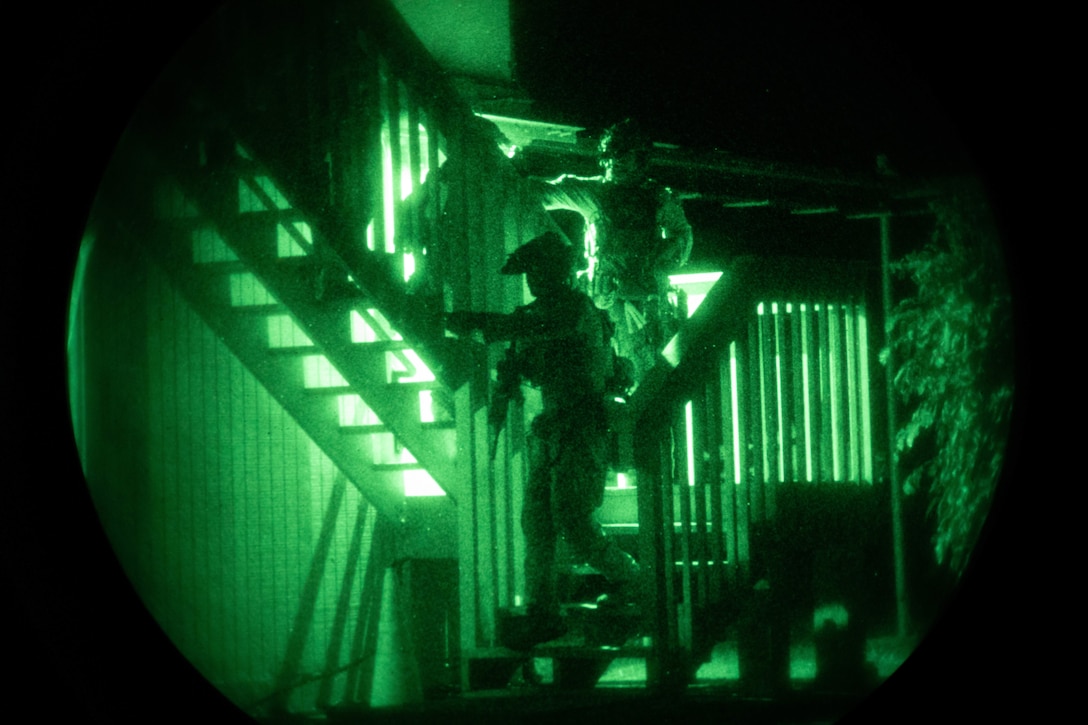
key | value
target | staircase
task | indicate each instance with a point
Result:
(290, 214)
(277, 226)
(317, 342)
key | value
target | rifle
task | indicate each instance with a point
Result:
(506, 390)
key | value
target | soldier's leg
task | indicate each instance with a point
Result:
(579, 491)
(543, 621)
(540, 532)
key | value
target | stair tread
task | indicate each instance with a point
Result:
(260, 309)
(382, 428)
(379, 346)
(342, 389)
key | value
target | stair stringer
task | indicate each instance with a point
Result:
(252, 236)
(281, 375)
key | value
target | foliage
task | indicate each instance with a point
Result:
(950, 347)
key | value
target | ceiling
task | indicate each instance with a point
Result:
(823, 83)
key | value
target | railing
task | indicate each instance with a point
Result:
(763, 391)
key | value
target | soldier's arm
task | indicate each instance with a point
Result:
(523, 325)
(676, 229)
(569, 192)
(465, 323)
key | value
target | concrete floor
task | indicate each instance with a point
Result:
(621, 694)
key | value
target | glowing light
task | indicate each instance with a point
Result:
(405, 180)
(409, 265)
(371, 326)
(863, 386)
(735, 403)
(424, 154)
(426, 407)
(287, 243)
(208, 246)
(689, 430)
(247, 290)
(591, 250)
(353, 411)
(780, 434)
(388, 204)
(696, 286)
(746, 204)
(408, 361)
(283, 331)
(694, 278)
(318, 372)
(418, 483)
(833, 354)
(806, 392)
(836, 614)
(853, 454)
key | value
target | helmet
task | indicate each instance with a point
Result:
(622, 138)
(548, 252)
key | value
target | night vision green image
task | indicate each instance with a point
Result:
(459, 365)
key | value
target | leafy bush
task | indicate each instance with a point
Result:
(950, 348)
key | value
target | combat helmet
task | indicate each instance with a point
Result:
(622, 138)
(547, 252)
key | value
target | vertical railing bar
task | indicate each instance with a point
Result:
(770, 409)
(824, 406)
(466, 529)
(413, 243)
(704, 469)
(380, 78)
(866, 402)
(457, 207)
(437, 251)
(850, 343)
(485, 526)
(501, 515)
(788, 420)
(668, 518)
(652, 543)
(724, 508)
(742, 492)
(797, 409)
(755, 445)
(393, 102)
(683, 492)
(715, 482)
(513, 483)
(839, 392)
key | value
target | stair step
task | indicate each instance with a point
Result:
(364, 429)
(397, 467)
(293, 350)
(385, 345)
(272, 308)
(347, 389)
(380, 346)
(222, 266)
(381, 428)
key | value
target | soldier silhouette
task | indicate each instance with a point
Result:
(637, 234)
(559, 343)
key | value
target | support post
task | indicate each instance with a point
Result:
(902, 616)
